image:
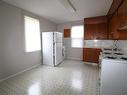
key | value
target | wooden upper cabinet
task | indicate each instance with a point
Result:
(95, 20)
(89, 31)
(122, 13)
(114, 7)
(67, 33)
(114, 23)
(101, 32)
(122, 35)
(118, 19)
(95, 28)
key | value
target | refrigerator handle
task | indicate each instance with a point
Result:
(54, 49)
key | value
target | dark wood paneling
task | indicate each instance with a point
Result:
(67, 33)
(114, 7)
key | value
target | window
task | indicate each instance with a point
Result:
(77, 35)
(32, 34)
(77, 32)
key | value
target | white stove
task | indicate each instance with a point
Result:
(111, 54)
(113, 76)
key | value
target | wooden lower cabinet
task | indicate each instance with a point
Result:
(91, 55)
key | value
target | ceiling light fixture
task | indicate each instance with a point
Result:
(68, 5)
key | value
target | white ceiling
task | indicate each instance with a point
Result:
(56, 12)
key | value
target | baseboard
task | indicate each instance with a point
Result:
(13, 75)
(78, 59)
(94, 64)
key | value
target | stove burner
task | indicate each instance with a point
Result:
(111, 57)
(115, 49)
(123, 58)
(107, 49)
(106, 53)
(119, 53)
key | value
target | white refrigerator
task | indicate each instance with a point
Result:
(52, 48)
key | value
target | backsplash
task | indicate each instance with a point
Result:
(72, 52)
(98, 43)
(122, 44)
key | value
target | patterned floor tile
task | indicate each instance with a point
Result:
(69, 78)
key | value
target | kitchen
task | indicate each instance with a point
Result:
(79, 48)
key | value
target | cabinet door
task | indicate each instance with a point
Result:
(91, 55)
(122, 35)
(114, 23)
(101, 31)
(67, 33)
(96, 31)
(118, 19)
(122, 13)
(96, 53)
(110, 34)
(115, 35)
(87, 55)
(95, 28)
(88, 31)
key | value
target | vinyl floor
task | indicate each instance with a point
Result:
(69, 78)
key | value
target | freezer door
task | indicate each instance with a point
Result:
(47, 48)
(58, 37)
(58, 53)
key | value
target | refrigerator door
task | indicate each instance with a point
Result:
(58, 37)
(47, 48)
(58, 53)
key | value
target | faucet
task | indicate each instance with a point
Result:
(115, 45)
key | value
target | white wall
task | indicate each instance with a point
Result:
(61, 27)
(71, 53)
(122, 44)
(13, 57)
